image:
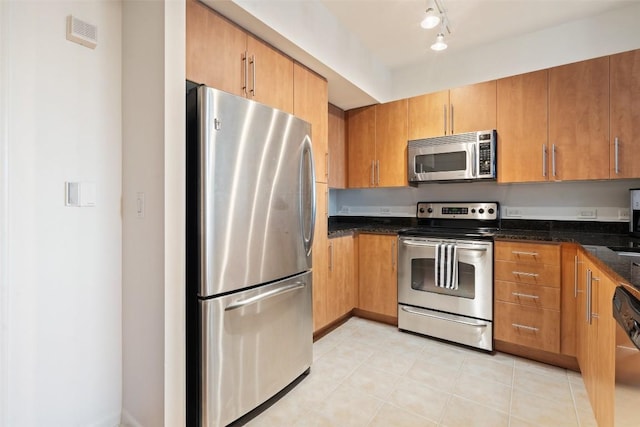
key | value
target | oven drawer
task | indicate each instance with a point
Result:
(528, 295)
(527, 326)
(529, 253)
(543, 274)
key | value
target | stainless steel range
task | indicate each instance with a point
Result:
(445, 272)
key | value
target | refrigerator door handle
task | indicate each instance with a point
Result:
(308, 180)
(270, 294)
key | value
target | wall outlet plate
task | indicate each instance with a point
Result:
(588, 213)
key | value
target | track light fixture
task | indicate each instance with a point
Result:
(433, 17)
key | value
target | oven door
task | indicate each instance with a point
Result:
(417, 270)
(442, 162)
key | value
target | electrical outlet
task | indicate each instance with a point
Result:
(513, 213)
(588, 213)
(385, 211)
(623, 214)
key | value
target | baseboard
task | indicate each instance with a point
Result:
(560, 360)
(377, 317)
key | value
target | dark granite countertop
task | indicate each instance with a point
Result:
(596, 237)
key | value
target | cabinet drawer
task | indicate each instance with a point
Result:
(542, 275)
(527, 326)
(528, 253)
(529, 295)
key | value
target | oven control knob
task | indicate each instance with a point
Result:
(421, 210)
(480, 211)
(491, 211)
(430, 210)
(473, 210)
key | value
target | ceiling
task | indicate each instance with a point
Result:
(391, 30)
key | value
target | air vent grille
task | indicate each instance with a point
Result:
(82, 32)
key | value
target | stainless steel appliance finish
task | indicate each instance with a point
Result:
(634, 212)
(465, 156)
(461, 313)
(250, 222)
(626, 310)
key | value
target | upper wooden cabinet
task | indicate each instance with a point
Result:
(377, 141)
(337, 148)
(463, 109)
(522, 124)
(579, 120)
(625, 115)
(310, 99)
(223, 56)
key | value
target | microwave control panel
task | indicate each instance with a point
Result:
(485, 154)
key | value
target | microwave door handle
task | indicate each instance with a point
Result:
(473, 161)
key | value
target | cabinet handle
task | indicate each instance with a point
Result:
(525, 253)
(444, 114)
(452, 119)
(588, 308)
(544, 160)
(372, 173)
(522, 273)
(377, 172)
(575, 276)
(519, 295)
(330, 256)
(553, 159)
(528, 328)
(615, 151)
(245, 59)
(393, 252)
(253, 75)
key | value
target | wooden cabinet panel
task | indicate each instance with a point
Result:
(528, 326)
(570, 273)
(377, 270)
(625, 114)
(361, 134)
(428, 115)
(473, 107)
(528, 253)
(579, 120)
(522, 125)
(528, 295)
(540, 275)
(310, 99)
(337, 169)
(320, 260)
(214, 49)
(342, 279)
(391, 144)
(270, 75)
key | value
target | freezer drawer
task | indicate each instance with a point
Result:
(253, 344)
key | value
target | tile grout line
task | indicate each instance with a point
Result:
(513, 383)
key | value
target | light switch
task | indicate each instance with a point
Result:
(72, 194)
(140, 205)
(80, 194)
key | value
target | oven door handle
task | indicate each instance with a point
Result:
(432, 245)
(421, 313)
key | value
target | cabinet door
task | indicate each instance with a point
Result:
(378, 283)
(603, 352)
(625, 115)
(579, 120)
(428, 115)
(522, 127)
(391, 144)
(214, 49)
(270, 75)
(337, 169)
(361, 134)
(570, 275)
(310, 99)
(472, 107)
(320, 260)
(342, 297)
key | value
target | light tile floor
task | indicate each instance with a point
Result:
(370, 374)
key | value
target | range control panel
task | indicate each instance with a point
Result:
(457, 210)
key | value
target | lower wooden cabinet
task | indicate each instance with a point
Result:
(378, 274)
(320, 259)
(527, 294)
(596, 338)
(342, 286)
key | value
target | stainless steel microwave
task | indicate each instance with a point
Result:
(460, 157)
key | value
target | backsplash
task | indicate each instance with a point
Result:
(571, 201)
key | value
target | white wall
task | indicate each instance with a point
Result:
(153, 246)
(63, 271)
(555, 200)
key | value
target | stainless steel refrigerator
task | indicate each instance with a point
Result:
(250, 222)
